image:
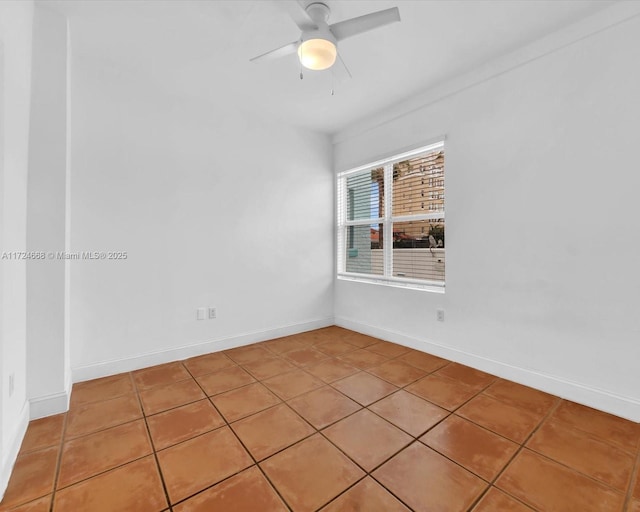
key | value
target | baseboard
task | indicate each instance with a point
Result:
(10, 456)
(54, 403)
(48, 405)
(619, 405)
(107, 368)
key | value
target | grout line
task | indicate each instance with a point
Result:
(103, 471)
(217, 370)
(155, 453)
(363, 407)
(413, 438)
(306, 344)
(574, 470)
(64, 440)
(399, 386)
(516, 453)
(635, 475)
(422, 432)
(594, 435)
(368, 472)
(59, 458)
(273, 486)
(191, 438)
(255, 463)
(139, 389)
(364, 477)
(102, 429)
(390, 492)
(316, 431)
(226, 424)
(591, 436)
(93, 402)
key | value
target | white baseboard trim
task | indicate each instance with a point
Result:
(54, 403)
(106, 368)
(619, 405)
(9, 457)
(47, 405)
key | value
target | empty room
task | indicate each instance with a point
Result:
(335, 255)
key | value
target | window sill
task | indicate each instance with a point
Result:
(393, 282)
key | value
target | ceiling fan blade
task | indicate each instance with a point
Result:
(355, 26)
(278, 52)
(300, 16)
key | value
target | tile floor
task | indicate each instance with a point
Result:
(327, 420)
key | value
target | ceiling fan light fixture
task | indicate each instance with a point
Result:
(317, 54)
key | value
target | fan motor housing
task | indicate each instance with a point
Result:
(318, 12)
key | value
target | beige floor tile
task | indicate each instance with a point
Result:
(425, 480)
(248, 491)
(323, 406)
(547, 485)
(200, 462)
(364, 388)
(182, 423)
(135, 487)
(270, 431)
(366, 496)
(311, 473)
(367, 439)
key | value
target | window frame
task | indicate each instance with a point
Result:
(343, 225)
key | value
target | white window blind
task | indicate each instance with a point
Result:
(391, 220)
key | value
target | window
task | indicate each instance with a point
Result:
(386, 232)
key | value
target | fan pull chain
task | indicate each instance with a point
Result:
(301, 75)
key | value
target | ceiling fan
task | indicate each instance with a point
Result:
(317, 45)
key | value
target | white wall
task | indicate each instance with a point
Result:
(49, 375)
(543, 155)
(15, 78)
(214, 206)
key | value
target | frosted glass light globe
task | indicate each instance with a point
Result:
(317, 54)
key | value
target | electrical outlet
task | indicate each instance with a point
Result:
(201, 313)
(440, 315)
(212, 313)
(11, 383)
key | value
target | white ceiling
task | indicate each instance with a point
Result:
(201, 48)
